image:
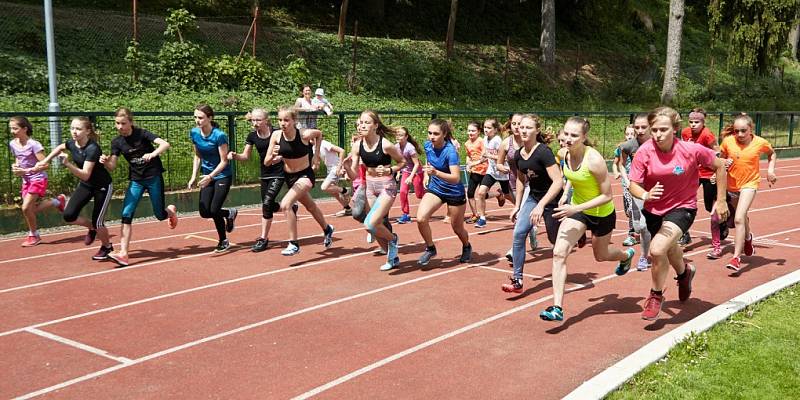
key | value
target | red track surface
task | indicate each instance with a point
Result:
(184, 322)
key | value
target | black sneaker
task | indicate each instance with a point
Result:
(232, 213)
(261, 245)
(685, 239)
(327, 241)
(466, 254)
(222, 246)
(102, 254)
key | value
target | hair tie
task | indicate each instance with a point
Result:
(697, 116)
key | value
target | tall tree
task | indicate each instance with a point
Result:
(547, 41)
(755, 32)
(794, 37)
(672, 67)
(342, 20)
(451, 28)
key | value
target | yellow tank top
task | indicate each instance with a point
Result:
(585, 187)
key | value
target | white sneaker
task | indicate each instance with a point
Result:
(290, 250)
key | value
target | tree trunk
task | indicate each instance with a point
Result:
(794, 36)
(672, 67)
(342, 20)
(451, 28)
(547, 42)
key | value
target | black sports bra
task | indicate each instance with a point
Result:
(375, 157)
(293, 149)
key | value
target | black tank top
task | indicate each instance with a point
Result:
(375, 157)
(294, 149)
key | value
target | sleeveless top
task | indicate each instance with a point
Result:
(375, 157)
(293, 149)
(585, 186)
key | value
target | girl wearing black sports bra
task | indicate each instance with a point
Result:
(295, 147)
(376, 153)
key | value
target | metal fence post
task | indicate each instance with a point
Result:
(758, 124)
(342, 130)
(791, 128)
(232, 143)
(721, 126)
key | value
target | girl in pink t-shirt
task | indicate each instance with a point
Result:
(664, 174)
(27, 153)
(411, 174)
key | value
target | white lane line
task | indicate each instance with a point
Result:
(78, 345)
(731, 244)
(429, 343)
(512, 271)
(216, 284)
(241, 329)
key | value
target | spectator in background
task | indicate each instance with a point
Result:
(321, 103)
(307, 121)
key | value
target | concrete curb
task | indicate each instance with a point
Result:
(616, 375)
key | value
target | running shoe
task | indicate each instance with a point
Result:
(471, 219)
(685, 239)
(31, 240)
(624, 266)
(62, 202)
(90, 236)
(643, 264)
(102, 253)
(480, 223)
(121, 260)
(715, 253)
(685, 283)
(370, 238)
(231, 219)
(343, 212)
(404, 219)
(290, 250)
(328, 240)
(173, 219)
(390, 265)
(652, 306)
(514, 287)
(532, 240)
(552, 313)
(222, 246)
(260, 245)
(466, 254)
(723, 230)
(582, 241)
(425, 258)
(510, 256)
(631, 240)
(734, 264)
(749, 250)
(391, 248)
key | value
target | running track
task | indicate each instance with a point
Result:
(183, 322)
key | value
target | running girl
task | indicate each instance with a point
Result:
(376, 152)
(476, 166)
(294, 146)
(271, 174)
(332, 156)
(95, 182)
(411, 174)
(664, 175)
(211, 157)
(492, 139)
(618, 164)
(144, 172)
(538, 173)
(591, 209)
(637, 223)
(442, 168)
(741, 152)
(27, 152)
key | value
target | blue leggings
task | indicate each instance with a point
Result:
(155, 187)
(523, 227)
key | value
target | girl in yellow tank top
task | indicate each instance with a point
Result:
(591, 209)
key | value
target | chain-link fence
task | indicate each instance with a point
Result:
(607, 131)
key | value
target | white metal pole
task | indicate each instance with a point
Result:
(55, 123)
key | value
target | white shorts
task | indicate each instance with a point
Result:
(332, 177)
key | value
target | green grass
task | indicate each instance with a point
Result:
(752, 355)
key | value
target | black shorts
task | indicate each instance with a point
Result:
(454, 201)
(473, 183)
(489, 180)
(710, 193)
(599, 226)
(683, 217)
(293, 177)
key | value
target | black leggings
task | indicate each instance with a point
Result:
(80, 198)
(270, 187)
(473, 183)
(211, 199)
